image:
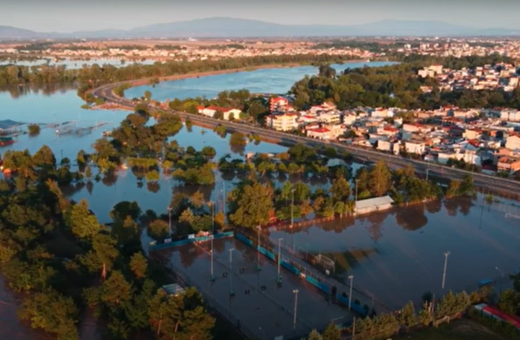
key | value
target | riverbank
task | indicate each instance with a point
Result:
(146, 81)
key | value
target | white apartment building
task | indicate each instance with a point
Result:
(282, 122)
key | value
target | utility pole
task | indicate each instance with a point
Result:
(355, 202)
(354, 328)
(231, 274)
(351, 278)
(446, 254)
(502, 274)
(292, 208)
(279, 258)
(258, 228)
(170, 219)
(295, 306)
(212, 236)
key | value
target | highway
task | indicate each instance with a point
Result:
(487, 182)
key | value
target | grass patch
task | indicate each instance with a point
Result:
(456, 330)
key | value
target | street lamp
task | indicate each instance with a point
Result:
(292, 207)
(231, 274)
(351, 278)
(446, 254)
(295, 306)
(258, 228)
(263, 333)
(279, 258)
(501, 272)
(170, 218)
(212, 236)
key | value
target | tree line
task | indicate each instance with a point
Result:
(92, 76)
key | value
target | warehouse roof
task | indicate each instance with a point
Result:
(373, 202)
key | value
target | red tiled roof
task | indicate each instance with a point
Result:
(320, 130)
(217, 108)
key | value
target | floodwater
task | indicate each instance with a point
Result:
(260, 81)
(75, 63)
(398, 255)
(262, 307)
(393, 256)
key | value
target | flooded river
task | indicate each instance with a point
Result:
(394, 256)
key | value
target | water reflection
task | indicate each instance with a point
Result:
(17, 91)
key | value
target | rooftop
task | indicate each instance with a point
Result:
(374, 202)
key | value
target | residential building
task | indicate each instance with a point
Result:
(282, 122)
(415, 146)
(319, 133)
(513, 143)
(508, 164)
(227, 113)
(278, 104)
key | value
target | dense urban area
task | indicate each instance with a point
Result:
(448, 106)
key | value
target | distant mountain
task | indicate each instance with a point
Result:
(13, 33)
(232, 27)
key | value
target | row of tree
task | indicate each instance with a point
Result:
(91, 76)
(451, 305)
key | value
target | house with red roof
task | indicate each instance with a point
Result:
(322, 133)
(227, 113)
(278, 104)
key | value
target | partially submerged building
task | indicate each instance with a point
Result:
(373, 204)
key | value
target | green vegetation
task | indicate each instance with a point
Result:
(395, 86)
(93, 76)
(457, 330)
(57, 253)
(34, 129)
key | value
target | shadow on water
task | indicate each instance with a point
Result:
(18, 91)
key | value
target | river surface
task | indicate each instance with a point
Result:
(393, 256)
(260, 81)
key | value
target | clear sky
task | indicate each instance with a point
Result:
(75, 15)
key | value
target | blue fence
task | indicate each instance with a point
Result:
(244, 239)
(186, 241)
(354, 306)
(290, 267)
(267, 253)
(320, 285)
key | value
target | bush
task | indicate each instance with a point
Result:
(34, 129)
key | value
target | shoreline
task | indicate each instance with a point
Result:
(145, 81)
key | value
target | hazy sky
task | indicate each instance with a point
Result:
(74, 15)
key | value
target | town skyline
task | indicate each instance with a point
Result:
(98, 15)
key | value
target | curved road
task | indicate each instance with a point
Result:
(487, 182)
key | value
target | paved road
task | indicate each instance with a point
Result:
(487, 182)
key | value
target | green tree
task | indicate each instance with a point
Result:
(509, 302)
(314, 335)
(340, 189)
(34, 129)
(139, 265)
(250, 205)
(51, 312)
(116, 289)
(82, 222)
(380, 179)
(158, 230)
(331, 333)
(407, 317)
